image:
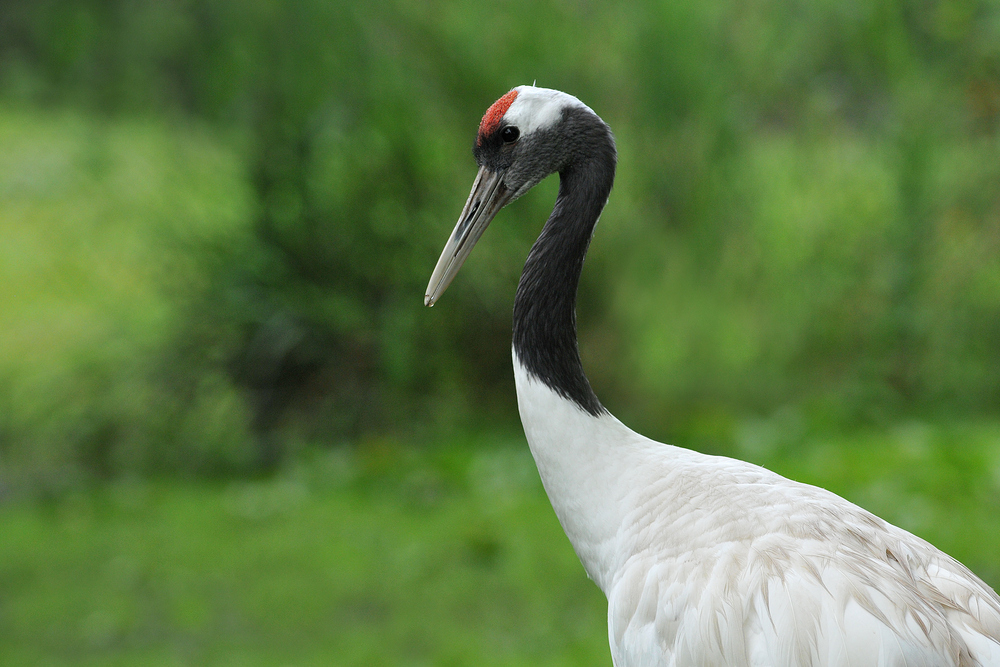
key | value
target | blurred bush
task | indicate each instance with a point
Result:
(97, 222)
(807, 215)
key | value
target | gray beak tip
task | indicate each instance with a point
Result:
(489, 195)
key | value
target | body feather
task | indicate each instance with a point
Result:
(711, 561)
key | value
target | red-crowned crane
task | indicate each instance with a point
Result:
(705, 560)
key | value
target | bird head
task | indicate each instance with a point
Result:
(524, 136)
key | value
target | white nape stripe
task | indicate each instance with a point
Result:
(538, 108)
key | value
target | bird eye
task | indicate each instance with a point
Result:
(509, 134)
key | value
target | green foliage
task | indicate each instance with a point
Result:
(806, 214)
(96, 220)
(394, 555)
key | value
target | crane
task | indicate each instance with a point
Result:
(705, 560)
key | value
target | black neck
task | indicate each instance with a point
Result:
(545, 305)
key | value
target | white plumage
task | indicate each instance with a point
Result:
(712, 561)
(705, 561)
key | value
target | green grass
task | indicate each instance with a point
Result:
(386, 554)
(381, 556)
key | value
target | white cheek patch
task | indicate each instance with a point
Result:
(538, 108)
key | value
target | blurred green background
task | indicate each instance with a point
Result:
(231, 434)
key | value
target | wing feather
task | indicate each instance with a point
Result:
(828, 584)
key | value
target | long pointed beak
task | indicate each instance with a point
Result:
(488, 196)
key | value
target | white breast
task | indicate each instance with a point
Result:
(712, 561)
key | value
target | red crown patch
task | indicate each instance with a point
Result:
(491, 120)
